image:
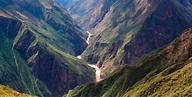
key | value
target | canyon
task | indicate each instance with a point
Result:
(125, 30)
(163, 72)
(38, 48)
(132, 45)
(95, 48)
(97, 70)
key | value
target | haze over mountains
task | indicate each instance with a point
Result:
(87, 13)
(132, 42)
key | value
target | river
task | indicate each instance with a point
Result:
(97, 70)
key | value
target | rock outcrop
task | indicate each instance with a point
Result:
(39, 42)
(133, 28)
(164, 72)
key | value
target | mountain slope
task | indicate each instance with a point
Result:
(133, 28)
(87, 13)
(38, 39)
(8, 92)
(165, 71)
(175, 84)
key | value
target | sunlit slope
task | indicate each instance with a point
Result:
(164, 72)
(39, 42)
(134, 28)
(5, 91)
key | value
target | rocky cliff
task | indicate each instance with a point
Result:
(131, 28)
(164, 72)
(39, 42)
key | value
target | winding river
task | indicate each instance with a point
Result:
(97, 70)
(88, 37)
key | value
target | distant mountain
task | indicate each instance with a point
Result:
(87, 13)
(130, 29)
(164, 72)
(39, 42)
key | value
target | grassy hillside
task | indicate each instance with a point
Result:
(15, 71)
(164, 72)
(133, 28)
(124, 30)
(39, 42)
(8, 92)
(178, 83)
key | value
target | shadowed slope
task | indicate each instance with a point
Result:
(39, 42)
(163, 65)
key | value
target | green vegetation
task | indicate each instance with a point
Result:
(39, 42)
(5, 91)
(15, 71)
(164, 72)
(176, 84)
(129, 29)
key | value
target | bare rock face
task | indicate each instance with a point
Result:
(9, 26)
(48, 67)
(132, 28)
(160, 28)
(166, 68)
(39, 42)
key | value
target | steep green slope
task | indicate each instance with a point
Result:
(8, 92)
(124, 30)
(47, 16)
(39, 42)
(133, 28)
(161, 69)
(178, 84)
(15, 71)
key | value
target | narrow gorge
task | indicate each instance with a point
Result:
(95, 48)
(97, 69)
